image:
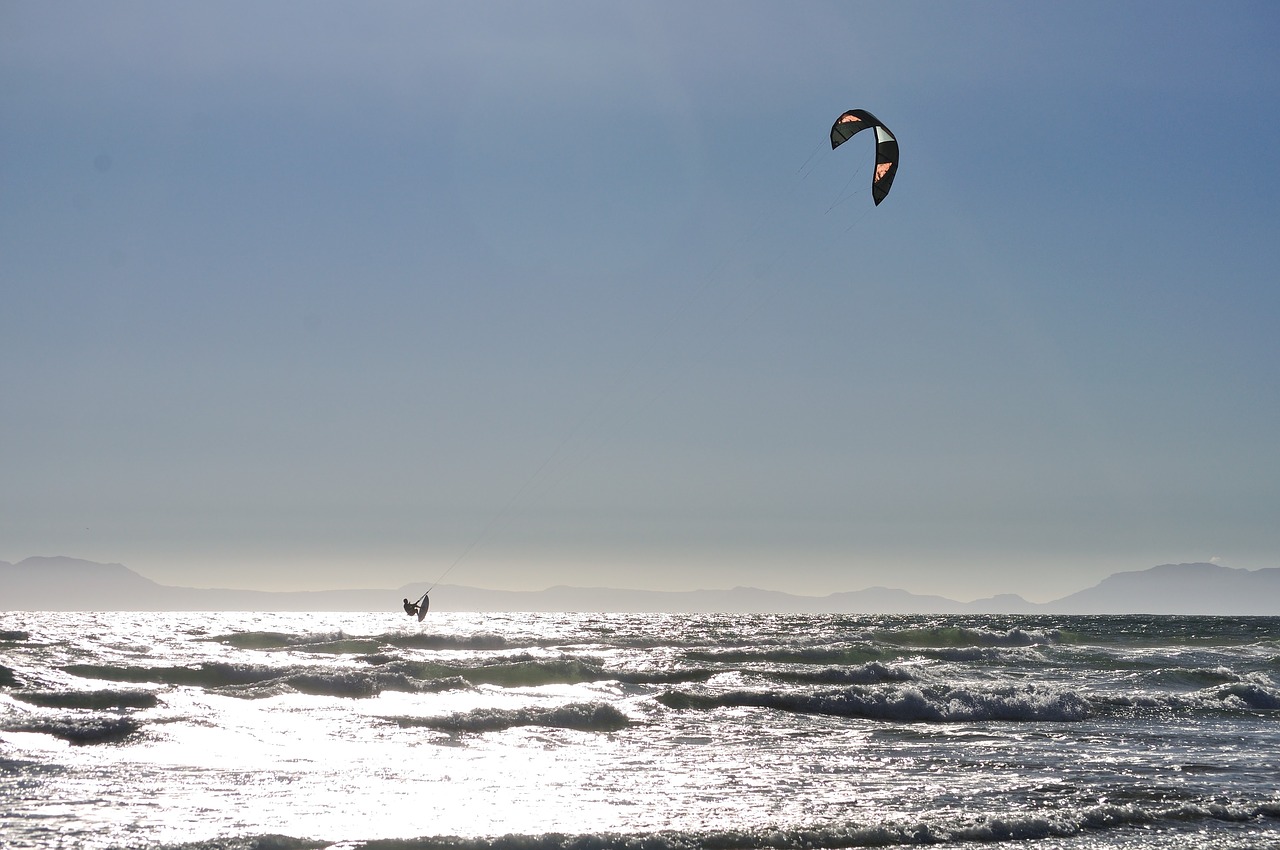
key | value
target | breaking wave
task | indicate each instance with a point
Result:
(1234, 698)
(255, 681)
(909, 704)
(1181, 823)
(960, 636)
(410, 677)
(859, 654)
(942, 704)
(1249, 695)
(1222, 691)
(873, 673)
(532, 673)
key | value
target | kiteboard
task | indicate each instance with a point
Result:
(423, 604)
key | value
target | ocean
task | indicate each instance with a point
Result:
(273, 731)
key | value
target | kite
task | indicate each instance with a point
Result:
(853, 122)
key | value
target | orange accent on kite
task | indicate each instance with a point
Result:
(845, 119)
(882, 169)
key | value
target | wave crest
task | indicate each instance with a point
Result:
(95, 700)
(843, 655)
(1249, 695)
(81, 730)
(873, 673)
(925, 832)
(908, 704)
(962, 636)
(207, 675)
(583, 717)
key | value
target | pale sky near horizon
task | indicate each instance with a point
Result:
(306, 295)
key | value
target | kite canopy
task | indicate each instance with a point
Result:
(857, 120)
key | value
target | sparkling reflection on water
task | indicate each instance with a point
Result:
(243, 753)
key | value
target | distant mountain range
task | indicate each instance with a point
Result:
(70, 584)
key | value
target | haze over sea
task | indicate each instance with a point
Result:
(70, 584)
(289, 730)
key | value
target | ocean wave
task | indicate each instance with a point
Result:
(523, 674)
(963, 636)
(908, 704)
(248, 842)
(342, 646)
(8, 679)
(80, 730)
(330, 643)
(250, 680)
(1196, 677)
(342, 643)
(207, 675)
(94, 700)
(255, 681)
(14, 636)
(349, 684)
(872, 673)
(584, 717)
(1248, 696)
(260, 640)
(529, 672)
(478, 641)
(1063, 823)
(846, 655)
(964, 654)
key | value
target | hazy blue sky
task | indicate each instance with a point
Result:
(310, 295)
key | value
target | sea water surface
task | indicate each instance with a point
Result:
(652, 732)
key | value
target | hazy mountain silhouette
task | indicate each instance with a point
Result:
(1179, 589)
(70, 584)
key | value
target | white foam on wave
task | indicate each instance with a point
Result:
(1065, 823)
(906, 704)
(968, 636)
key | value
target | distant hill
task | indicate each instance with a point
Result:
(70, 584)
(1179, 589)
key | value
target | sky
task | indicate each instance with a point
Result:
(317, 295)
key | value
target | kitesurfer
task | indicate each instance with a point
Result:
(410, 608)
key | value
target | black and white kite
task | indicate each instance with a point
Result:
(853, 122)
